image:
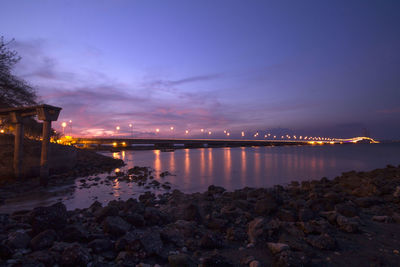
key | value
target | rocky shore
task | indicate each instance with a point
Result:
(353, 219)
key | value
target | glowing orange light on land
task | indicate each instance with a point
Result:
(1, 131)
(331, 142)
(312, 142)
(117, 170)
(320, 142)
(115, 144)
(123, 143)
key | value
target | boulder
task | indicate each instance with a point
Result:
(181, 260)
(217, 260)
(346, 209)
(115, 225)
(5, 252)
(44, 257)
(191, 212)
(266, 205)
(18, 240)
(74, 233)
(347, 224)
(44, 218)
(75, 255)
(306, 214)
(43, 240)
(135, 219)
(107, 211)
(256, 229)
(323, 241)
(100, 245)
(276, 248)
(211, 241)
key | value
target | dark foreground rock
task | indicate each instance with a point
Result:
(353, 219)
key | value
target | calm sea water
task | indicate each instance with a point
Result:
(233, 168)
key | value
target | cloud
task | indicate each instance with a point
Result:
(390, 111)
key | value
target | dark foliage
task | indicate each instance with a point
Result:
(14, 91)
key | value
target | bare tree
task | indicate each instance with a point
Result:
(14, 91)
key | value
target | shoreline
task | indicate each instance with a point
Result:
(354, 217)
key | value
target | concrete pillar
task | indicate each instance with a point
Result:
(18, 149)
(44, 166)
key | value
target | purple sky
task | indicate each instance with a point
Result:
(327, 68)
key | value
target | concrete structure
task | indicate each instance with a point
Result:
(47, 114)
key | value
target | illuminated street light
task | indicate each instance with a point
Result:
(187, 131)
(224, 131)
(131, 126)
(228, 134)
(209, 133)
(117, 128)
(157, 130)
(172, 128)
(63, 125)
(242, 134)
(202, 130)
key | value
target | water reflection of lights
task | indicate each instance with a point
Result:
(257, 167)
(171, 166)
(116, 188)
(227, 165)
(243, 166)
(157, 161)
(172, 161)
(123, 154)
(187, 163)
(202, 166)
(210, 162)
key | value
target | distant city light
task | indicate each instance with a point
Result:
(157, 130)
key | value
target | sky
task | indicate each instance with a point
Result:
(322, 68)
